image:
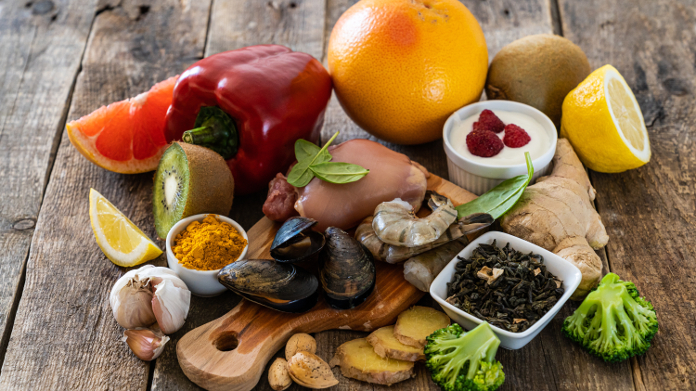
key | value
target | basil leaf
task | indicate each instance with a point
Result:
(301, 175)
(305, 150)
(501, 198)
(336, 172)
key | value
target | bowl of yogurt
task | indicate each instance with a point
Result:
(479, 174)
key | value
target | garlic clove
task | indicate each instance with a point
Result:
(170, 305)
(131, 302)
(146, 344)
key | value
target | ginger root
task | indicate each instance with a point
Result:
(358, 360)
(557, 214)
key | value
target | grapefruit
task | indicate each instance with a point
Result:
(126, 136)
(401, 67)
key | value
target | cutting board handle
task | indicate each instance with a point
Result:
(230, 353)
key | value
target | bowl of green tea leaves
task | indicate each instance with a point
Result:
(514, 285)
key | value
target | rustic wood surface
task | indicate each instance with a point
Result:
(65, 58)
(257, 332)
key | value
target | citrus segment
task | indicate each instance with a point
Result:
(120, 240)
(126, 136)
(626, 113)
(603, 121)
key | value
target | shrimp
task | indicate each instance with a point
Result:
(381, 251)
(396, 223)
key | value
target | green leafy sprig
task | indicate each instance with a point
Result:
(501, 198)
(314, 161)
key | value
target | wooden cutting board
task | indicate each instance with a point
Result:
(230, 353)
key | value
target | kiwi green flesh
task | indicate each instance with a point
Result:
(171, 189)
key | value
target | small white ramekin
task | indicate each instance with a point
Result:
(202, 283)
(566, 271)
(477, 177)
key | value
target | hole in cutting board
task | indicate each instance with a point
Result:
(227, 341)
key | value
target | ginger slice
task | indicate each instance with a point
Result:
(358, 360)
(416, 323)
(386, 345)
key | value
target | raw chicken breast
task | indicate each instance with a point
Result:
(392, 175)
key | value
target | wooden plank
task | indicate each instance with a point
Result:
(235, 24)
(41, 45)
(65, 336)
(650, 212)
(549, 362)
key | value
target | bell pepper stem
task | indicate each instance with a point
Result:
(214, 130)
(204, 135)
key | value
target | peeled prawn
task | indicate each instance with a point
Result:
(395, 222)
(381, 251)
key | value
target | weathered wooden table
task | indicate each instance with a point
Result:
(61, 59)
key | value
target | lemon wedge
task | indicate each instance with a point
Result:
(602, 120)
(120, 240)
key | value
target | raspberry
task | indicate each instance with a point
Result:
(515, 136)
(489, 121)
(483, 143)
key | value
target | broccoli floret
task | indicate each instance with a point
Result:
(461, 361)
(613, 322)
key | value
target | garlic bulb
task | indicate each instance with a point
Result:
(146, 344)
(148, 295)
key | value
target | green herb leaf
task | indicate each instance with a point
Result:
(305, 150)
(501, 198)
(336, 172)
(301, 175)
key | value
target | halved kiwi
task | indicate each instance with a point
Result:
(190, 180)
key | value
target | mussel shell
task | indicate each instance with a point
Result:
(347, 270)
(280, 286)
(295, 240)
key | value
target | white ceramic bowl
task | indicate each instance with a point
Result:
(200, 282)
(561, 268)
(477, 177)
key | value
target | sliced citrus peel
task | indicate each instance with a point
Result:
(120, 240)
(127, 136)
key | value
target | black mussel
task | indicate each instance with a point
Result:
(296, 241)
(279, 286)
(347, 270)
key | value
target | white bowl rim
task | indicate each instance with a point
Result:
(498, 171)
(186, 221)
(543, 321)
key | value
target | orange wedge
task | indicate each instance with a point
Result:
(126, 136)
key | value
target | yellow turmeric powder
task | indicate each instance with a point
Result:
(208, 245)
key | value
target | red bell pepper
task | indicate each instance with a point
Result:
(251, 105)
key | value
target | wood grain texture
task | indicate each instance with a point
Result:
(261, 332)
(550, 362)
(41, 46)
(64, 335)
(650, 212)
(234, 24)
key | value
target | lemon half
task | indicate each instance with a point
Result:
(602, 120)
(120, 240)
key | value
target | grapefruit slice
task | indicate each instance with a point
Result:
(126, 136)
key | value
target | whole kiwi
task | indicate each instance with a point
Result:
(190, 180)
(539, 70)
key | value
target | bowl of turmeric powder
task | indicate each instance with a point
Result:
(199, 246)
